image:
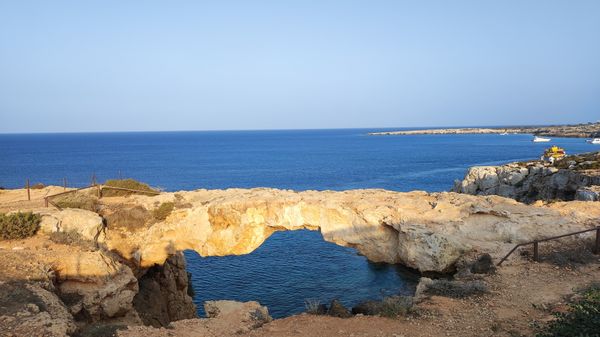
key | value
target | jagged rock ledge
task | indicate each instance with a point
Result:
(575, 177)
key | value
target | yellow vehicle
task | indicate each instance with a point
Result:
(553, 154)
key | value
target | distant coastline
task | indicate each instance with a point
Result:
(588, 130)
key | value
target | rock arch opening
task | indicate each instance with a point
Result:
(291, 267)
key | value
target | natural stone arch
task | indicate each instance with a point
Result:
(425, 231)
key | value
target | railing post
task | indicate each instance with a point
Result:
(28, 193)
(65, 183)
(536, 256)
(597, 245)
(99, 191)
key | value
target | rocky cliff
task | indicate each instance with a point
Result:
(573, 178)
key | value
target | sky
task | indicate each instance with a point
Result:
(76, 66)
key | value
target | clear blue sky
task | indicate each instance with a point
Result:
(194, 65)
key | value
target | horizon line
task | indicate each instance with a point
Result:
(300, 129)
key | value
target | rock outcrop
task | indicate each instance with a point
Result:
(536, 180)
(164, 294)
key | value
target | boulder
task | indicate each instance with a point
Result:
(591, 193)
(88, 224)
(483, 265)
(245, 311)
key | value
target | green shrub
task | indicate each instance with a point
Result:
(163, 211)
(582, 319)
(125, 183)
(77, 200)
(19, 225)
(37, 186)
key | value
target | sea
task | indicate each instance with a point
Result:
(290, 268)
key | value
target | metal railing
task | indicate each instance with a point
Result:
(535, 243)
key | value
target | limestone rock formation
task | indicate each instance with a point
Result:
(88, 224)
(425, 231)
(528, 182)
(95, 286)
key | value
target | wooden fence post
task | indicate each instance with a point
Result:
(28, 193)
(65, 183)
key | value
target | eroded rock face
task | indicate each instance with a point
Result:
(27, 309)
(425, 231)
(163, 294)
(527, 183)
(95, 286)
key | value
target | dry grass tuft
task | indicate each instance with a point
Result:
(125, 183)
(130, 218)
(80, 200)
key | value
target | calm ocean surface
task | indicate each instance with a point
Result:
(291, 266)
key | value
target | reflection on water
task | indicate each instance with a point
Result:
(291, 267)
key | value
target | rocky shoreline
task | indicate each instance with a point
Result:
(589, 130)
(118, 271)
(576, 177)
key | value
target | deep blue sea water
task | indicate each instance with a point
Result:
(291, 266)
